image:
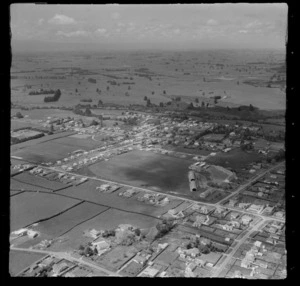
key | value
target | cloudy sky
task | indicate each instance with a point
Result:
(144, 26)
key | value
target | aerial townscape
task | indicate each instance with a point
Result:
(146, 163)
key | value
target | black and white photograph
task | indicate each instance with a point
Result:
(148, 140)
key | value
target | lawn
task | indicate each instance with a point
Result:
(19, 260)
(27, 208)
(64, 222)
(146, 169)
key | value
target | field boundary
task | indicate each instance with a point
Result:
(88, 201)
(44, 219)
(52, 191)
(84, 220)
(39, 140)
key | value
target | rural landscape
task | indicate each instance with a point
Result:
(148, 163)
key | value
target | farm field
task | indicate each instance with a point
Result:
(42, 114)
(14, 193)
(64, 222)
(16, 124)
(87, 191)
(15, 184)
(27, 208)
(146, 169)
(19, 260)
(29, 143)
(72, 141)
(55, 149)
(109, 219)
(45, 152)
(187, 74)
(38, 181)
(235, 159)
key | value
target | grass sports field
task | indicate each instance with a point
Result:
(147, 169)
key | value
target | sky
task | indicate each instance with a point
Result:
(181, 26)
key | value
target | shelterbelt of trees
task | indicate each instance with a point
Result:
(53, 98)
(41, 91)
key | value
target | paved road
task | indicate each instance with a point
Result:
(177, 197)
(172, 196)
(244, 186)
(229, 256)
(67, 256)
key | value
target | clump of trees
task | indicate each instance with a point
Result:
(108, 233)
(19, 115)
(53, 98)
(45, 271)
(87, 250)
(164, 227)
(131, 121)
(86, 100)
(148, 104)
(190, 106)
(92, 80)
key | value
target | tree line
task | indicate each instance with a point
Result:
(42, 91)
(53, 98)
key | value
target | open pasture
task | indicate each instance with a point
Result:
(16, 124)
(79, 143)
(19, 260)
(191, 74)
(55, 149)
(47, 138)
(27, 208)
(15, 184)
(39, 182)
(64, 222)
